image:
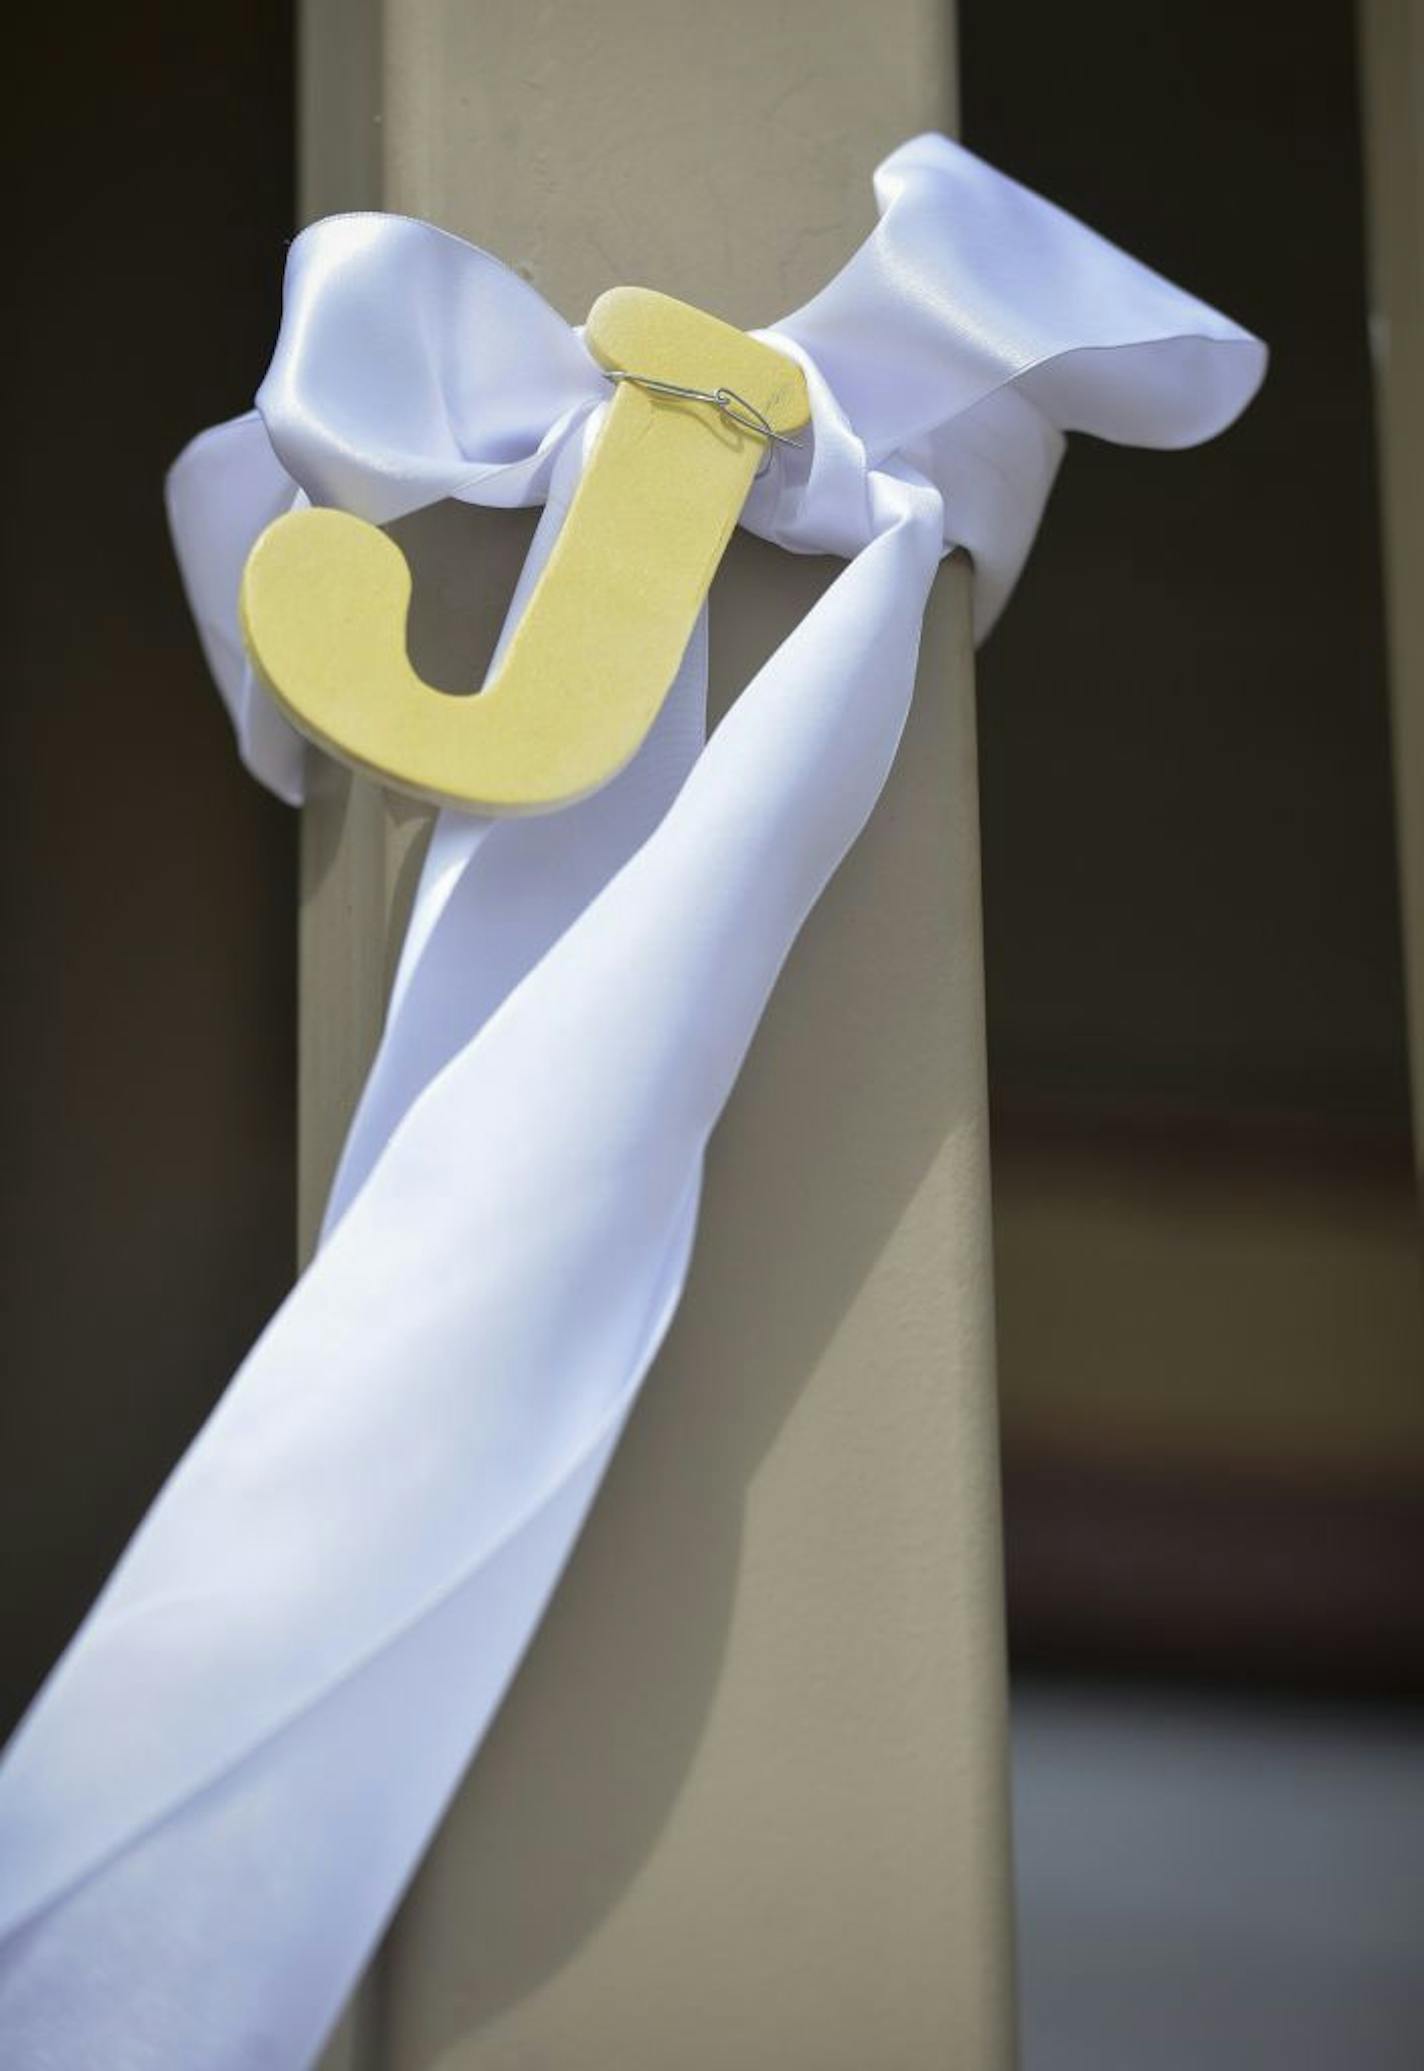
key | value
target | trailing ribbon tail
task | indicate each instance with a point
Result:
(568, 1229)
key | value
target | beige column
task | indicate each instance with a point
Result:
(1392, 62)
(746, 1804)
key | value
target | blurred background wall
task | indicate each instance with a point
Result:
(147, 886)
(1207, 1231)
(1212, 1338)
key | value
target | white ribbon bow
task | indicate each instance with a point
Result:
(213, 1804)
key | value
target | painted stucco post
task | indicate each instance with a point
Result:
(746, 1803)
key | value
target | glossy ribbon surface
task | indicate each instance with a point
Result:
(215, 1801)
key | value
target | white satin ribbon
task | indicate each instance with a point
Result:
(215, 1801)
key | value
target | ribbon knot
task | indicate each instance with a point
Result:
(976, 326)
